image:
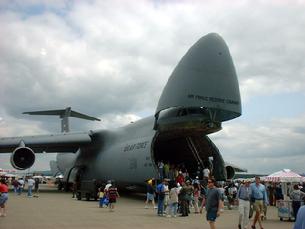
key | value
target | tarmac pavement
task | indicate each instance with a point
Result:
(53, 209)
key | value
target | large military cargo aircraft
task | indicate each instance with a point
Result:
(201, 93)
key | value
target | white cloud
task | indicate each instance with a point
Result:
(264, 147)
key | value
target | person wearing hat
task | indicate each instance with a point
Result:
(243, 196)
(150, 195)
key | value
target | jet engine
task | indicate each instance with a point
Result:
(22, 158)
(230, 172)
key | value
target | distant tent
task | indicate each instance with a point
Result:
(285, 175)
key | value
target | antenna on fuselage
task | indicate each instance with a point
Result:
(64, 116)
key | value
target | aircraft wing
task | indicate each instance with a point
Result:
(64, 142)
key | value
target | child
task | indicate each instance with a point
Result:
(101, 197)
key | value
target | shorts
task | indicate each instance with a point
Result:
(150, 196)
(3, 199)
(258, 205)
(212, 215)
(112, 200)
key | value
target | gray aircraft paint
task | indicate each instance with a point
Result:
(127, 157)
(205, 77)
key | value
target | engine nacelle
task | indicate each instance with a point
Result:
(230, 172)
(22, 158)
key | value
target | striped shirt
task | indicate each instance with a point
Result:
(244, 192)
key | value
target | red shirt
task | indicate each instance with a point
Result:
(180, 179)
(3, 188)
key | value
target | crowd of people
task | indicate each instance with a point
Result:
(179, 194)
(18, 186)
(178, 199)
(31, 183)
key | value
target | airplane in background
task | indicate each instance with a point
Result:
(201, 93)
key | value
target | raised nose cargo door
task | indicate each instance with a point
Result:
(203, 89)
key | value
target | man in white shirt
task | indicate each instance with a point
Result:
(20, 186)
(206, 175)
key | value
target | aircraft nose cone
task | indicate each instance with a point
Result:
(204, 77)
(209, 54)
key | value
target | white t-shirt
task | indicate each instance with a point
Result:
(206, 172)
(31, 182)
(161, 165)
(166, 190)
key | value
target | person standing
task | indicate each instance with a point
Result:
(166, 198)
(173, 200)
(36, 187)
(244, 195)
(15, 185)
(214, 204)
(259, 196)
(206, 175)
(150, 195)
(296, 196)
(278, 194)
(112, 195)
(196, 195)
(161, 169)
(203, 193)
(3, 197)
(101, 196)
(21, 185)
(161, 195)
(166, 170)
(180, 178)
(189, 195)
(31, 183)
(183, 199)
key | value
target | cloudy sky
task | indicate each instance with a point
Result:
(111, 59)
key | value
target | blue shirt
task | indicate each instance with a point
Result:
(300, 222)
(160, 188)
(258, 192)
